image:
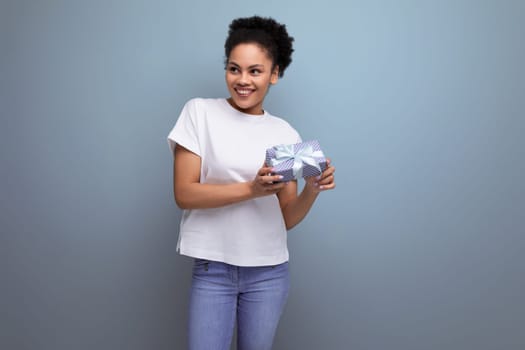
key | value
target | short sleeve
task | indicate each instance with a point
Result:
(185, 131)
(295, 137)
(298, 138)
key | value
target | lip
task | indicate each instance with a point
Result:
(243, 91)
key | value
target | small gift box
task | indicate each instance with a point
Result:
(302, 159)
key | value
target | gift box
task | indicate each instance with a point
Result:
(293, 161)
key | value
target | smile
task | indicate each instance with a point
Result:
(243, 92)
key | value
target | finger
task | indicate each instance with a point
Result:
(328, 171)
(271, 178)
(330, 186)
(265, 170)
(326, 180)
(274, 188)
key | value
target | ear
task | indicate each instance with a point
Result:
(275, 75)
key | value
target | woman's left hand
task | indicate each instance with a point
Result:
(323, 182)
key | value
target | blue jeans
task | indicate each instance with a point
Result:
(222, 294)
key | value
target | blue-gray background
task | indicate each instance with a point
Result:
(419, 103)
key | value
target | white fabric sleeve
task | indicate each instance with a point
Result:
(185, 131)
(299, 139)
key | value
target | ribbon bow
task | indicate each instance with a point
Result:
(304, 155)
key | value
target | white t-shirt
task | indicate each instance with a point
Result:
(232, 148)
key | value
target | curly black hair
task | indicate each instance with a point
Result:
(265, 32)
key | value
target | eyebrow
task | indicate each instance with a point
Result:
(250, 67)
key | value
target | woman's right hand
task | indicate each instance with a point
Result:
(265, 184)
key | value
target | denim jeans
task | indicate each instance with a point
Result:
(222, 294)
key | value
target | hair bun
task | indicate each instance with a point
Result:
(266, 32)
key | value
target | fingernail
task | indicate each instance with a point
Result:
(318, 177)
(280, 176)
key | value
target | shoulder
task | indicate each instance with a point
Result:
(279, 121)
(282, 124)
(200, 103)
(198, 108)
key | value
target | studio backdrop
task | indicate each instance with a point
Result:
(419, 104)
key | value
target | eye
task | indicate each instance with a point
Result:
(255, 71)
(233, 69)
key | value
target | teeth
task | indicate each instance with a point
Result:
(243, 92)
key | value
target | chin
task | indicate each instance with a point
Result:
(242, 105)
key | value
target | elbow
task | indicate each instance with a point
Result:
(181, 204)
(289, 227)
(181, 200)
(186, 199)
(288, 224)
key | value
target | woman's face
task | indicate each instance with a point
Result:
(248, 76)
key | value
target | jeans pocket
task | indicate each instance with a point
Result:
(201, 264)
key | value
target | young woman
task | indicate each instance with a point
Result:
(235, 213)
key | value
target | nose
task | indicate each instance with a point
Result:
(244, 78)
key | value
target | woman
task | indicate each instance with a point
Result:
(235, 212)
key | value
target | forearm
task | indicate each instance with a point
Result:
(201, 196)
(190, 193)
(296, 209)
